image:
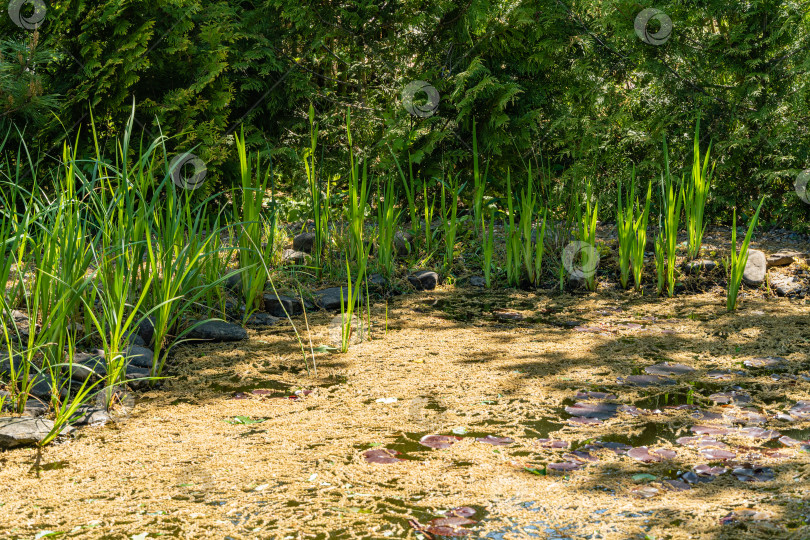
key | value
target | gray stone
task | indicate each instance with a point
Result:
(755, 268)
(217, 332)
(24, 431)
(377, 281)
(330, 298)
(42, 387)
(786, 286)
(233, 283)
(137, 377)
(137, 340)
(91, 416)
(146, 330)
(140, 356)
(88, 365)
(782, 258)
(35, 408)
(5, 363)
(296, 257)
(304, 242)
(478, 281)
(262, 320)
(276, 305)
(699, 266)
(402, 242)
(424, 280)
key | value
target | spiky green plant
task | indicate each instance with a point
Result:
(358, 198)
(631, 225)
(513, 249)
(587, 233)
(739, 260)
(695, 193)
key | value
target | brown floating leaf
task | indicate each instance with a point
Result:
(381, 455)
(240, 395)
(667, 368)
(447, 531)
(452, 521)
(497, 441)
(565, 466)
(261, 392)
(439, 442)
(463, 511)
(716, 454)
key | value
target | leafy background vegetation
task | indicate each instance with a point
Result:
(566, 81)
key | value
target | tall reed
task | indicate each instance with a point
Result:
(450, 220)
(671, 203)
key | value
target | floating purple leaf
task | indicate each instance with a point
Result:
(800, 410)
(644, 492)
(595, 395)
(717, 454)
(766, 362)
(646, 380)
(709, 430)
(706, 470)
(584, 420)
(730, 397)
(565, 466)
(789, 441)
(593, 410)
(579, 455)
(677, 485)
(381, 455)
(549, 443)
(497, 441)
(645, 455)
(744, 514)
(439, 442)
(753, 474)
(667, 368)
(758, 433)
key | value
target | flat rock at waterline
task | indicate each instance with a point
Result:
(24, 431)
(217, 332)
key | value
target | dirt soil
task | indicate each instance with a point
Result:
(176, 467)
